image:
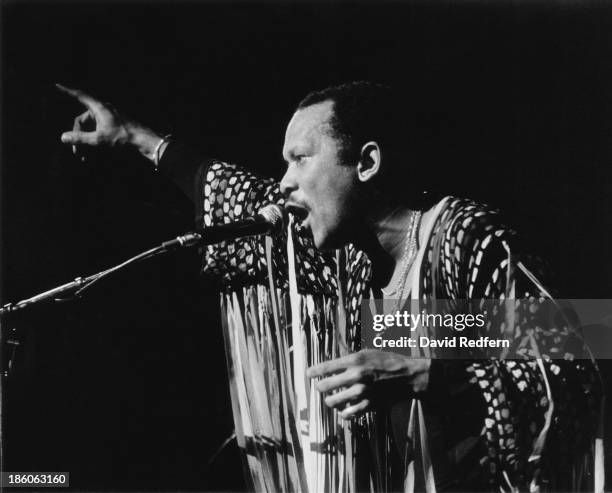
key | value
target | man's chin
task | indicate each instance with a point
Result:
(319, 240)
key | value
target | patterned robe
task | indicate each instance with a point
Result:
(515, 424)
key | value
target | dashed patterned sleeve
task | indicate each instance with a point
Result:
(223, 193)
(539, 415)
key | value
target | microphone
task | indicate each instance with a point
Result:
(270, 220)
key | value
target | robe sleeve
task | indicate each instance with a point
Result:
(223, 193)
(540, 414)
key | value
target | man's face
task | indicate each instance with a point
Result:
(319, 189)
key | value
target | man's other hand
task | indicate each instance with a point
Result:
(369, 379)
(102, 125)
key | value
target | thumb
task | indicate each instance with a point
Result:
(76, 137)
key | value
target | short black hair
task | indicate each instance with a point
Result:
(362, 111)
(366, 111)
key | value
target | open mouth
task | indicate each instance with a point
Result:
(300, 213)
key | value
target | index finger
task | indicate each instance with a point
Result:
(331, 366)
(89, 101)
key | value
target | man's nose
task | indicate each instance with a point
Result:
(288, 183)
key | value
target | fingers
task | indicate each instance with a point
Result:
(80, 138)
(83, 119)
(80, 122)
(351, 402)
(331, 366)
(356, 409)
(344, 379)
(84, 98)
(340, 399)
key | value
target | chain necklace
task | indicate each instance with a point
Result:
(410, 249)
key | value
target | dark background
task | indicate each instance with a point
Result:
(126, 389)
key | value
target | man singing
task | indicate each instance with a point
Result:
(313, 411)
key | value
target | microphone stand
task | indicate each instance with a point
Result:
(80, 284)
(9, 338)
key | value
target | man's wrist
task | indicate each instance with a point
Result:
(145, 141)
(159, 150)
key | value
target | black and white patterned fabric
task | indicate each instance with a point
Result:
(469, 256)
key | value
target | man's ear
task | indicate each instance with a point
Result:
(369, 161)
